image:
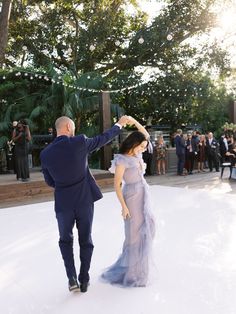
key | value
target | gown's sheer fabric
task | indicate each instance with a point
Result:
(132, 267)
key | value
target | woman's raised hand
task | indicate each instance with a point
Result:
(131, 120)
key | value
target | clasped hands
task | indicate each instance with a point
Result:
(126, 120)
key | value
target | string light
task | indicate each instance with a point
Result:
(141, 40)
(92, 47)
(168, 92)
(69, 51)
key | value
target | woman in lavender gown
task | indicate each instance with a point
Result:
(132, 267)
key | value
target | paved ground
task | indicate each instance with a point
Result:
(35, 175)
(206, 181)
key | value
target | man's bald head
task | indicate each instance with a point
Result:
(65, 126)
(210, 135)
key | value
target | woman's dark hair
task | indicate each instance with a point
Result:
(132, 141)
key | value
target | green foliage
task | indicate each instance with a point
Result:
(229, 126)
(3, 141)
(96, 45)
(177, 100)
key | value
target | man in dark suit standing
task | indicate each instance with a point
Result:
(191, 152)
(65, 168)
(212, 150)
(180, 151)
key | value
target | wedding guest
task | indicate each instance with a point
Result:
(180, 151)
(161, 150)
(21, 137)
(201, 155)
(148, 156)
(212, 149)
(191, 152)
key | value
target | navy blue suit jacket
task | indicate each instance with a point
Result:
(65, 168)
(180, 145)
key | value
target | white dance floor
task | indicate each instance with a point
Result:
(194, 251)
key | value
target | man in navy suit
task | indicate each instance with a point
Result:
(180, 151)
(65, 168)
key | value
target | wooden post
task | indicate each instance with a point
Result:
(105, 124)
(4, 26)
(232, 111)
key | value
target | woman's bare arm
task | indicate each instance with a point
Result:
(139, 126)
(119, 172)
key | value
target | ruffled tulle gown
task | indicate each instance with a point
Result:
(132, 267)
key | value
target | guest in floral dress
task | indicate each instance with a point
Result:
(161, 150)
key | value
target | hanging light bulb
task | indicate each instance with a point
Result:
(169, 37)
(92, 47)
(117, 43)
(141, 40)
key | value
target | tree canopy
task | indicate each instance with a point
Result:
(61, 52)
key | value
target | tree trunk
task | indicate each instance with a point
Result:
(4, 21)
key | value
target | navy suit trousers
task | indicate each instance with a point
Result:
(82, 218)
(180, 163)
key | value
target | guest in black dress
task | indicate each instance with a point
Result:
(21, 137)
(201, 155)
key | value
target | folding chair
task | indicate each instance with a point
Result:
(226, 165)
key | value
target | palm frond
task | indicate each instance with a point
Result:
(3, 140)
(90, 103)
(36, 112)
(9, 112)
(4, 126)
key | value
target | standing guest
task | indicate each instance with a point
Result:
(161, 155)
(186, 161)
(132, 267)
(196, 136)
(50, 131)
(21, 137)
(223, 146)
(180, 151)
(65, 168)
(201, 155)
(51, 135)
(148, 157)
(212, 149)
(230, 142)
(191, 152)
(232, 154)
